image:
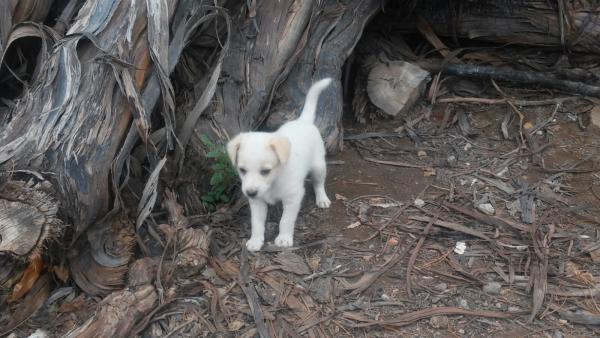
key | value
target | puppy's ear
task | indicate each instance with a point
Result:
(233, 147)
(281, 146)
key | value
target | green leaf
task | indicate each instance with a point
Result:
(219, 166)
(208, 198)
(213, 153)
(216, 178)
(205, 140)
(224, 199)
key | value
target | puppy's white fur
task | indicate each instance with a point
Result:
(273, 166)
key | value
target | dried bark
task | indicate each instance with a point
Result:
(573, 25)
(118, 313)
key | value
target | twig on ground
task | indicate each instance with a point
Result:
(411, 317)
(415, 253)
(395, 163)
(451, 226)
(521, 103)
(368, 278)
(321, 273)
(491, 220)
(246, 285)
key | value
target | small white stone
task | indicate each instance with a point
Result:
(419, 202)
(539, 132)
(460, 247)
(486, 208)
(492, 288)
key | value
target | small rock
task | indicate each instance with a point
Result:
(441, 287)
(486, 208)
(499, 305)
(385, 297)
(595, 116)
(439, 322)
(421, 153)
(419, 202)
(451, 160)
(539, 133)
(514, 309)
(461, 331)
(460, 247)
(392, 241)
(39, 333)
(557, 334)
(462, 303)
(563, 321)
(492, 288)
(435, 299)
(235, 325)
(467, 147)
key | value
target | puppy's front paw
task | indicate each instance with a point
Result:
(254, 244)
(323, 202)
(284, 241)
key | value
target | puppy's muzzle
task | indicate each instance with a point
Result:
(251, 193)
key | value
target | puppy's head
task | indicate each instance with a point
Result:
(258, 158)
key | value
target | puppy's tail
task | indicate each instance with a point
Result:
(310, 106)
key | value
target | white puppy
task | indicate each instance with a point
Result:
(273, 167)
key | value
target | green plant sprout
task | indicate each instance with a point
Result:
(223, 176)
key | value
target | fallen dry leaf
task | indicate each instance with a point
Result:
(314, 262)
(595, 116)
(61, 272)
(427, 172)
(30, 276)
(77, 304)
(292, 263)
(339, 197)
(235, 325)
(574, 270)
(353, 225)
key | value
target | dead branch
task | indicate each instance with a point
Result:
(547, 80)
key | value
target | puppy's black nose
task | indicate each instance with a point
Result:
(251, 193)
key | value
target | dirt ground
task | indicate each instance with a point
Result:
(405, 250)
(348, 276)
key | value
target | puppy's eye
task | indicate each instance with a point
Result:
(243, 171)
(265, 172)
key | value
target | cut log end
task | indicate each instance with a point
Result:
(395, 87)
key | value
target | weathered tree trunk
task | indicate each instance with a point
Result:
(94, 94)
(573, 25)
(273, 62)
(72, 119)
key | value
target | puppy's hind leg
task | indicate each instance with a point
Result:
(258, 209)
(291, 208)
(318, 173)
